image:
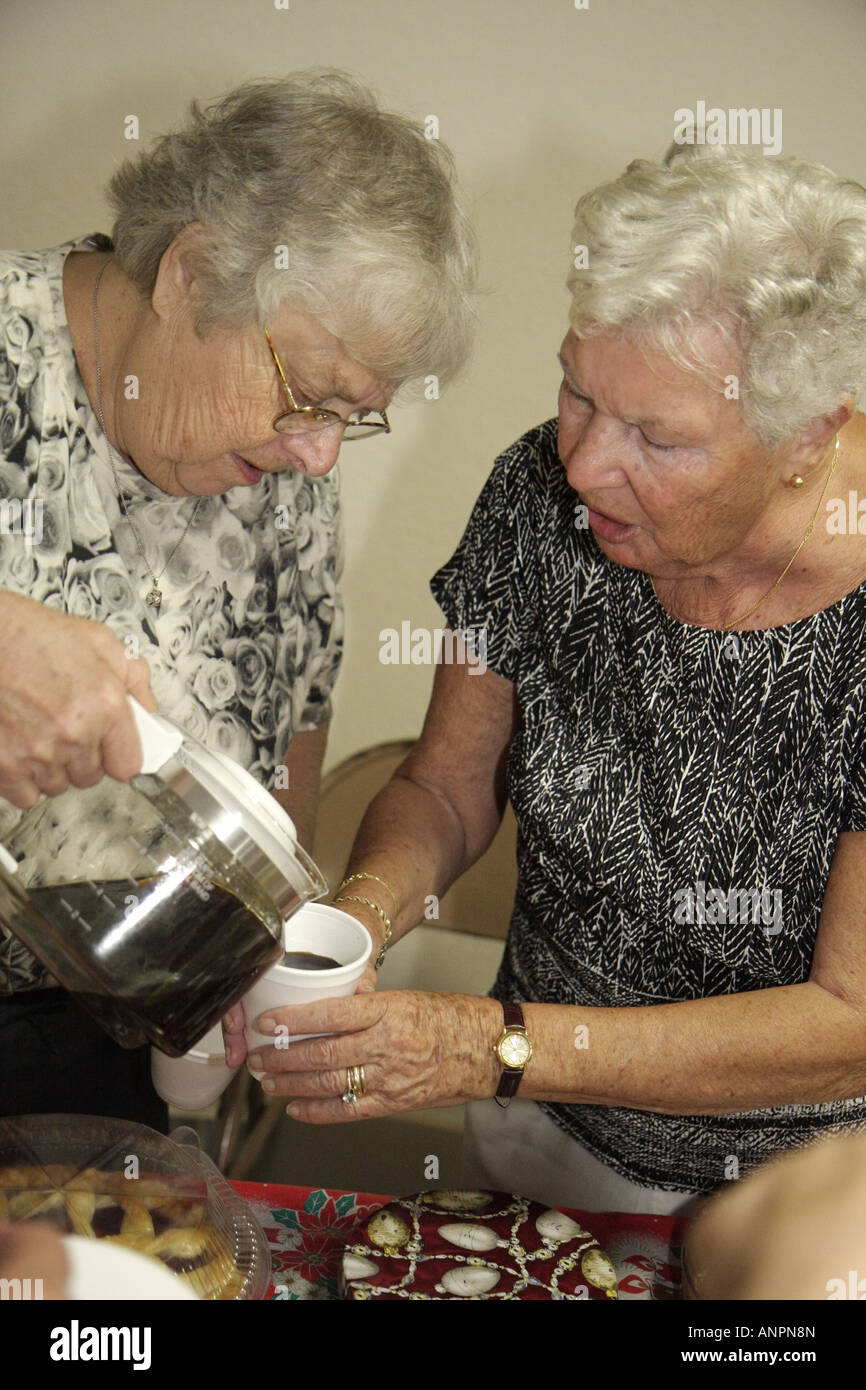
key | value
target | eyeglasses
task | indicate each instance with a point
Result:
(306, 419)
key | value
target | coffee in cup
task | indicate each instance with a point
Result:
(315, 933)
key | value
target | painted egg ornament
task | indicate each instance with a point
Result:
(358, 1266)
(386, 1228)
(470, 1237)
(598, 1271)
(450, 1200)
(555, 1226)
(468, 1283)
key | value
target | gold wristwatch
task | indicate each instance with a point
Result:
(514, 1049)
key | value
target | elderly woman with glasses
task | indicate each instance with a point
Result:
(671, 577)
(173, 403)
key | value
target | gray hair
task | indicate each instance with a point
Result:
(770, 250)
(313, 198)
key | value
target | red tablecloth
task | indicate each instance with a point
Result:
(307, 1228)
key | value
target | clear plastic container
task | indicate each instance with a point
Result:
(116, 1181)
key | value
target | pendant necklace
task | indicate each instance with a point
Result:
(153, 597)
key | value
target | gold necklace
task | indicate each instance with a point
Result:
(809, 529)
(153, 597)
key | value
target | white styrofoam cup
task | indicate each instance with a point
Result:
(325, 931)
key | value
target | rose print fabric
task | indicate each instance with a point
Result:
(245, 647)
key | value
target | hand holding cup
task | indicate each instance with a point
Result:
(323, 933)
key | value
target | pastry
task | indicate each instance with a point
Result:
(162, 1217)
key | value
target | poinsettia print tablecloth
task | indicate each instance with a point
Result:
(307, 1229)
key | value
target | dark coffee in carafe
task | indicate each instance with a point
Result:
(154, 933)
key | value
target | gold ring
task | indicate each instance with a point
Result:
(356, 1085)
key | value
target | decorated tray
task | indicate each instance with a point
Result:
(474, 1245)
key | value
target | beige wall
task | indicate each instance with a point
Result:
(537, 99)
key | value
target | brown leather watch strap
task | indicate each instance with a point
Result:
(510, 1077)
(514, 1017)
(508, 1084)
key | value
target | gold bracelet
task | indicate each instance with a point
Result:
(376, 879)
(351, 898)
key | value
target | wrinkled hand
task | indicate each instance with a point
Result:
(418, 1050)
(63, 712)
(234, 1022)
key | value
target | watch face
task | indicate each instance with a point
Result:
(515, 1050)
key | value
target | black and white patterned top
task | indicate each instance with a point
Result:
(245, 646)
(679, 792)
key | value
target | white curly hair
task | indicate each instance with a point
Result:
(313, 197)
(771, 251)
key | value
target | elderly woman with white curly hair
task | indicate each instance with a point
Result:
(172, 401)
(675, 702)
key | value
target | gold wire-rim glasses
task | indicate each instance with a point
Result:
(310, 418)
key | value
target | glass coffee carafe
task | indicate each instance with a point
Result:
(157, 902)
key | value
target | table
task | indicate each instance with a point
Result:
(307, 1227)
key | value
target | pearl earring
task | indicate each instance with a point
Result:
(796, 481)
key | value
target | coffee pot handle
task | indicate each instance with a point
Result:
(160, 739)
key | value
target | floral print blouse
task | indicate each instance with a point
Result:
(245, 646)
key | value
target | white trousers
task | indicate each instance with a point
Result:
(522, 1150)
